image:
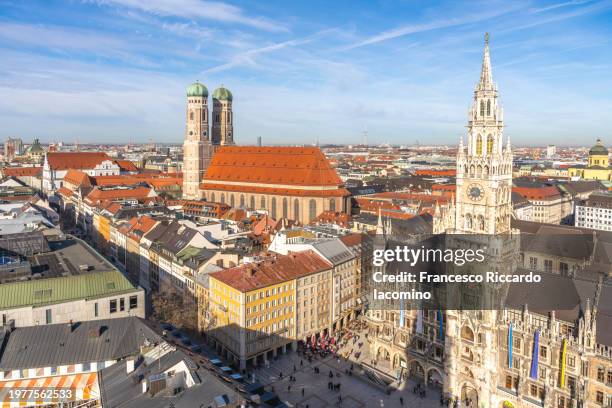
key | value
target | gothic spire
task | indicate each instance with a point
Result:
(486, 77)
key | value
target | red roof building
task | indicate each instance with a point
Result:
(289, 182)
(271, 271)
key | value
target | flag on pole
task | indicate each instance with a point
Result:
(510, 346)
(563, 358)
(536, 354)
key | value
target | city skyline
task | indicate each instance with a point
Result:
(117, 70)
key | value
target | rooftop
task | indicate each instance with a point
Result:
(290, 166)
(271, 271)
(75, 160)
(54, 345)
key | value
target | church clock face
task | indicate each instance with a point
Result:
(475, 192)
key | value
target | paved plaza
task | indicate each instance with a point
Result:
(311, 390)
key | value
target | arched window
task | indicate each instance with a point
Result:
(468, 222)
(489, 144)
(262, 205)
(467, 334)
(296, 209)
(482, 108)
(332, 204)
(191, 115)
(222, 198)
(232, 202)
(285, 207)
(252, 202)
(241, 200)
(312, 209)
(489, 107)
(273, 208)
(212, 197)
(481, 223)
(479, 171)
(478, 145)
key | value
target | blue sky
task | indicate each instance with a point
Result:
(116, 70)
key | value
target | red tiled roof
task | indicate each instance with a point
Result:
(339, 192)
(274, 270)
(137, 193)
(352, 239)
(65, 191)
(436, 173)
(444, 187)
(75, 160)
(22, 171)
(140, 226)
(332, 217)
(294, 166)
(166, 181)
(538, 193)
(77, 178)
(126, 165)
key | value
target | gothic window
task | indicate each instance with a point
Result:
(489, 107)
(312, 209)
(241, 200)
(468, 222)
(212, 197)
(222, 198)
(489, 144)
(486, 170)
(253, 202)
(479, 145)
(285, 207)
(232, 202)
(481, 223)
(263, 203)
(482, 108)
(296, 209)
(472, 170)
(332, 205)
(273, 209)
(467, 334)
(479, 170)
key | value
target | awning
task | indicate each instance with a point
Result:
(46, 390)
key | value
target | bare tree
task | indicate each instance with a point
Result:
(176, 308)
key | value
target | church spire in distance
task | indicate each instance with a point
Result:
(486, 77)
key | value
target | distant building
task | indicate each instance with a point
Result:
(595, 212)
(36, 153)
(551, 151)
(13, 147)
(550, 206)
(57, 164)
(598, 167)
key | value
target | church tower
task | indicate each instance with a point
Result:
(484, 169)
(482, 221)
(197, 149)
(222, 126)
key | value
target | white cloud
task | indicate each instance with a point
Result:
(432, 25)
(197, 9)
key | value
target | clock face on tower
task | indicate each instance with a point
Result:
(475, 192)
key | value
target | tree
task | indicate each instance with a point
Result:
(176, 308)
